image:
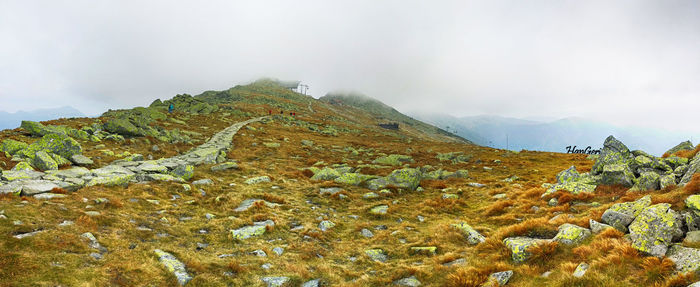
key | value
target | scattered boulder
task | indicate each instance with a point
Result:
(43, 161)
(498, 279)
(122, 126)
(173, 265)
(376, 255)
(394, 159)
(224, 166)
(619, 173)
(12, 146)
(687, 260)
(620, 215)
(570, 234)
(519, 247)
(257, 229)
(654, 229)
(275, 281)
(326, 173)
(470, 234)
(257, 180)
(581, 270)
(647, 180)
(379, 210)
(326, 225)
(597, 227)
(81, 160)
(613, 152)
(408, 282)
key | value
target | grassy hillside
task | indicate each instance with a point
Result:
(328, 223)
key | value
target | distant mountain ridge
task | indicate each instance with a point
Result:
(554, 136)
(13, 120)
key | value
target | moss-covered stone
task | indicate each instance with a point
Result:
(647, 180)
(654, 229)
(43, 161)
(620, 215)
(353, 178)
(379, 210)
(22, 165)
(617, 174)
(121, 126)
(377, 254)
(570, 234)
(326, 173)
(12, 146)
(394, 159)
(174, 266)
(257, 229)
(693, 203)
(568, 175)
(56, 143)
(113, 180)
(185, 172)
(454, 157)
(470, 234)
(520, 247)
(613, 152)
(407, 178)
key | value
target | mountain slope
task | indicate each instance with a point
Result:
(219, 193)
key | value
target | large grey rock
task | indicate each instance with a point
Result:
(655, 228)
(667, 180)
(693, 167)
(618, 173)
(82, 160)
(620, 215)
(499, 278)
(32, 187)
(520, 247)
(597, 227)
(647, 180)
(43, 161)
(408, 178)
(613, 152)
(568, 175)
(174, 266)
(12, 175)
(687, 260)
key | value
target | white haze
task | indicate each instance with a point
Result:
(622, 62)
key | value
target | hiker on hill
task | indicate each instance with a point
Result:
(269, 112)
(281, 112)
(171, 108)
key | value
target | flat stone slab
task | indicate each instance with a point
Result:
(32, 187)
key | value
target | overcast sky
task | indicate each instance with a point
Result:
(624, 62)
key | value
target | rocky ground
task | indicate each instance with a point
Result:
(220, 193)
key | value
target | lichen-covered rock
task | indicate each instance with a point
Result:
(437, 174)
(470, 234)
(693, 203)
(460, 173)
(377, 183)
(22, 165)
(570, 234)
(568, 175)
(647, 180)
(43, 161)
(257, 229)
(581, 270)
(224, 166)
(692, 168)
(32, 187)
(614, 174)
(248, 203)
(112, 180)
(687, 260)
(597, 227)
(12, 146)
(81, 160)
(519, 247)
(620, 215)
(12, 175)
(377, 254)
(56, 143)
(613, 152)
(326, 225)
(640, 162)
(667, 180)
(454, 157)
(393, 159)
(185, 172)
(353, 178)
(498, 279)
(408, 282)
(326, 173)
(573, 187)
(407, 178)
(122, 126)
(257, 180)
(38, 129)
(174, 266)
(655, 228)
(379, 210)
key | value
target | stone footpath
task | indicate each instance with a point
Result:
(122, 172)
